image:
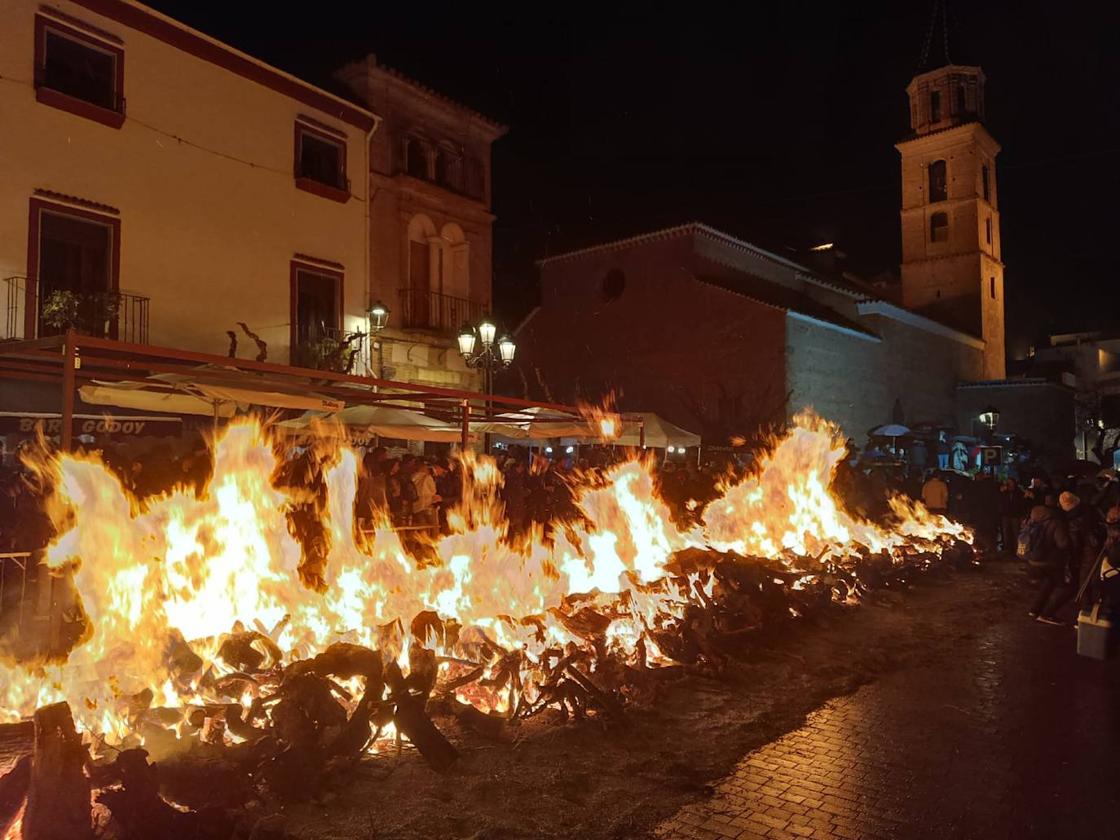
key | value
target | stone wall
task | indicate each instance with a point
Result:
(855, 382)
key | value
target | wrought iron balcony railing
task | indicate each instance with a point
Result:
(425, 310)
(118, 315)
(329, 348)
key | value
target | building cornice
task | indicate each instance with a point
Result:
(974, 129)
(921, 322)
(180, 36)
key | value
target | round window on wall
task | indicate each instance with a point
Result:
(614, 284)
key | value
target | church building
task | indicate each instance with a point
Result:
(723, 337)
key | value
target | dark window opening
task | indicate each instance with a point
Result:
(75, 267)
(961, 100)
(475, 178)
(938, 186)
(992, 287)
(614, 284)
(935, 106)
(939, 227)
(441, 167)
(321, 160)
(985, 182)
(317, 306)
(80, 70)
(416, 160)
(988, 231)
(420, 299)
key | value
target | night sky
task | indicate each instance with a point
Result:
(775, 122)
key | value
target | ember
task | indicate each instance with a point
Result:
(205, 650)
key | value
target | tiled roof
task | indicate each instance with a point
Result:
(434, 94)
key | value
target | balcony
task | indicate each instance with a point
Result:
(421, 309)
(329, 348)
(118, 315)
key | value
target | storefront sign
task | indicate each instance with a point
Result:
(85, 424)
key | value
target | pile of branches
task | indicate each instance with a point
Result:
(307, 726)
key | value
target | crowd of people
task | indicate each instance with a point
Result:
(1066, 532)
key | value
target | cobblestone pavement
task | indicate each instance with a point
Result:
(1014, 737)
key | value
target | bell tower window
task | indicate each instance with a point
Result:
(985, 182)
(938, 188)
(939, 227)
(935, 106)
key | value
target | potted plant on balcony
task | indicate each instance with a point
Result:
(93, 314)
(333, 354)
(61, 310)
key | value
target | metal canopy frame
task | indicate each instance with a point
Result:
(71, 358)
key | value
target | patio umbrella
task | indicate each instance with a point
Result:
(383, 420)
(891, 430)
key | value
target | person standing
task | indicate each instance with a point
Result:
(1085, 534)
(424, 504)
(1048, 557)
(1012, 511)
(935, 494)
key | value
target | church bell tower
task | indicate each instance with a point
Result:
(951, 266)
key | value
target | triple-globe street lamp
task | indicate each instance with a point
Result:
(479, 349)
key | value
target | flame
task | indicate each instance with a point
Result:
(163, 581)
(605, 417)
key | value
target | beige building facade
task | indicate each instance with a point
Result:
(430, 250)
(161, 186)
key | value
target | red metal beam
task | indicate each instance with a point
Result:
(150, 351)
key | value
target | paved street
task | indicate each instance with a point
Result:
(1016, 737)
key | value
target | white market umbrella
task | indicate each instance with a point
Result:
(386, 421)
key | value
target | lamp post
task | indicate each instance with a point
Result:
(479, 349)
(378, 314)
(990, 418)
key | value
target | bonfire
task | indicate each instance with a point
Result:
(215, 634)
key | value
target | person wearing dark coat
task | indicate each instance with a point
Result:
(1085, 533)
(1012, 511)
(1053, 560)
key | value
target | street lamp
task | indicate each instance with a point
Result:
(479, 350)
(378, 314)
(990, 417)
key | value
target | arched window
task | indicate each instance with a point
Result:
(455, 262)
(939, 227)
(614, 284)
(938, 187)
(416, 299)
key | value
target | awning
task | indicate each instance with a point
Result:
(381, 420)
(178, 394)
(659, 433)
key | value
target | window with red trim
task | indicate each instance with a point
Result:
(79, 73)
(321, 163)
(316, 311)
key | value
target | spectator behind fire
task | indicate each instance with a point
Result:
(1048, 558)
(1085, 534)
(935, 493)
(1012, 512)
(426, 498)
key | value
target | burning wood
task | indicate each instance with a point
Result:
(188, 697)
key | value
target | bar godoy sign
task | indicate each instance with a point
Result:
(91, 425)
